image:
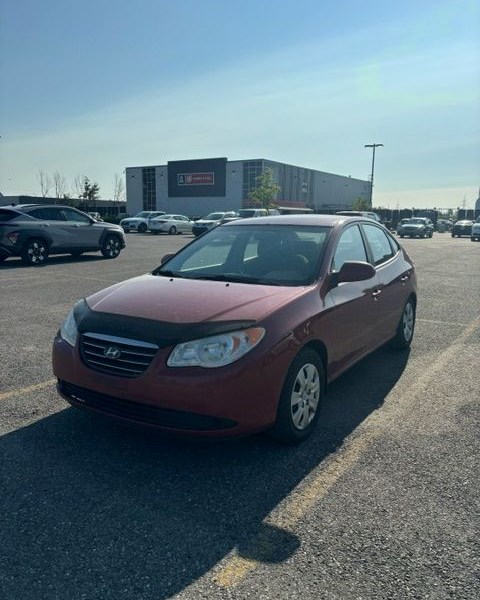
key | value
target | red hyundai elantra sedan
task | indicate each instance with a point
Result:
(241, 330)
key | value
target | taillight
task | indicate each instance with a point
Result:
(13, 236)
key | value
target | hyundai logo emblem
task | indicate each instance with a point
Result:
(112, 352)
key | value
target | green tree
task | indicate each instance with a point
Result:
(90, 190)
(266, 190)
(361, 204)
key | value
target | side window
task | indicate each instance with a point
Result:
(7, 215)
(379, 244)
(350, 247)
(394, 244)
(37, 213)
(52, 214)
(73, 215)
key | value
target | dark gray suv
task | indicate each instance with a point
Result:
(33, 231)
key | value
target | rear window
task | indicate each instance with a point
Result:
(7, 215)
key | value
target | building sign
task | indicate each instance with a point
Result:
(196, 178)
(201, 178)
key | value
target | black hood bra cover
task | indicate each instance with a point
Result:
(161, 333)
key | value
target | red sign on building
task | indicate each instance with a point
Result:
(196, 178)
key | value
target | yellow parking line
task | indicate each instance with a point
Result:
(314, 488)
(289, 512)
(26, 390)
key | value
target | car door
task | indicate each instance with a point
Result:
(83, 233)
(177, 221)
(356, 304)
(184, 224)
(392, 273)
(51, 222)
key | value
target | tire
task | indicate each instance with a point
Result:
(172, 230)
(142, 228)
(406, 327)
(111, 246)
(303, 388)
(35, 252)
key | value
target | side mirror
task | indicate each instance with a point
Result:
(353, 271)
(166, 257)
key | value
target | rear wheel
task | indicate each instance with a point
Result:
(35, 252)
(172, 230)
(403, 337)
(299, 405)
(142, 228)
(111, 247)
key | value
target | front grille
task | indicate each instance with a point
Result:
(116, 356)
(142, 413)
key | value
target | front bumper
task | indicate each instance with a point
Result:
(229, 401)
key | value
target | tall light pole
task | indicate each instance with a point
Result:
(373, 168)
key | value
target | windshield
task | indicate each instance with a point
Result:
(143, 214)
(244, 213)
(214, 216)
(259, 254)
(414, 221)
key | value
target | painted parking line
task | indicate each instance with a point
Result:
(286, 515)
(27, 390)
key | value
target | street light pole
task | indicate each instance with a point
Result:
(373, 168)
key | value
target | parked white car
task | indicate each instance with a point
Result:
(171, 224)
(140, 221)
(475, 236)
(360, 213)
(210, 221)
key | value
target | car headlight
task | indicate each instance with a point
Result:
(217, 350)
(68, 330)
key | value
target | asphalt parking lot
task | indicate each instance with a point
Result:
(381, 502)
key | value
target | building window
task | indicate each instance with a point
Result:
(251, 170)
(149, 188)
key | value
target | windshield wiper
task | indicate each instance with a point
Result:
(235, 278)
(168, 273)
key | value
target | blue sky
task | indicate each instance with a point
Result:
(92, 87)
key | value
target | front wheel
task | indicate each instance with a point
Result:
(403, 337)
(172, 230)
(300, 399)
(35, 252)
(111, 247)
(142, 228)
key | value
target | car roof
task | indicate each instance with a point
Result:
(21, 207)
(301, 219)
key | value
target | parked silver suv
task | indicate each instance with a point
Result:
(33, 231)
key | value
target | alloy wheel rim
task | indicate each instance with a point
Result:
(305, 396)
(408, 319)
(113, 247)
(36, 252)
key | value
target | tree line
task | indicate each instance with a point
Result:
(81, 187)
